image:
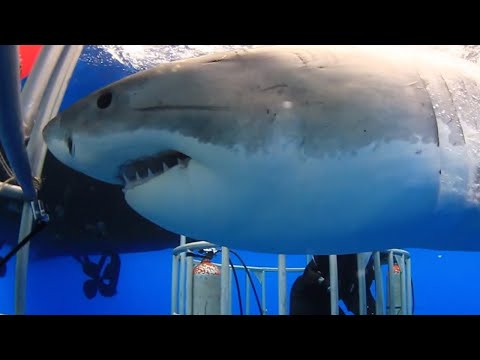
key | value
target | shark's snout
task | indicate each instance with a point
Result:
(52, 129)
(58, 140)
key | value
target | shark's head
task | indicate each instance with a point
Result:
(175, 136)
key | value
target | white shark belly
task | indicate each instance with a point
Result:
(367, 200)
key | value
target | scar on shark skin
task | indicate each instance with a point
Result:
(275, 87)
(184, 107)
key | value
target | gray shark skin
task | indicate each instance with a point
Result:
(295, 149)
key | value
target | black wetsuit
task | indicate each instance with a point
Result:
(310, 293)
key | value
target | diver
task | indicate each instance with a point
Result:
(310, 293)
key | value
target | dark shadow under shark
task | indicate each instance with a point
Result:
(87, 217)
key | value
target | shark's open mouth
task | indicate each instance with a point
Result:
(137, 172)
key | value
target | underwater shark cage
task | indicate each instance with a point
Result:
(211, 292)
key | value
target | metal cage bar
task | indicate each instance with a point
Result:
(404, 263)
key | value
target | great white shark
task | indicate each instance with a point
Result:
(291, 149)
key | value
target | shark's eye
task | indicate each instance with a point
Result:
(104, 100)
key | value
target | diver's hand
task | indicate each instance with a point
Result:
(323, 282)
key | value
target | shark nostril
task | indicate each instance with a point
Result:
(70, 145)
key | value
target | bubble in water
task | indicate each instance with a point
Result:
(143, 57)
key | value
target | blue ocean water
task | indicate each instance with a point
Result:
(444, 282)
